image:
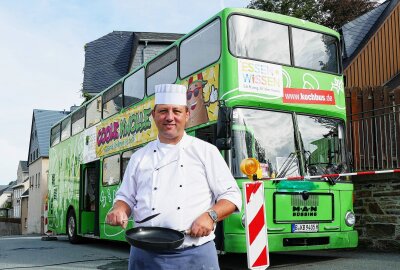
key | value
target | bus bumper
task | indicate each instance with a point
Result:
(236, 243)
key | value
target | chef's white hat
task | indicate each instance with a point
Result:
(174, 94)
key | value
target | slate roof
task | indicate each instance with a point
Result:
(108, 58)
(357, 32)
(9, 187)
(44, 120)
(3, 188)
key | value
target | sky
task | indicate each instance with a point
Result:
(42, 54)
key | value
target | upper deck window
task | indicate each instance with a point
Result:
(78, 121)
(93, 112)
(260, 40)
(315, 50)
(163, 69)
(112, 101)
(134, 88)
(55, 135)
(200, 49)
(65, 128)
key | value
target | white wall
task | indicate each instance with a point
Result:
(37, 194)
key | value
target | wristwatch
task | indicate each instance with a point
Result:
(213, 215)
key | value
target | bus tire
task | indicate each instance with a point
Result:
(73, 237)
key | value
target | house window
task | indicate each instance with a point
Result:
(39, 180)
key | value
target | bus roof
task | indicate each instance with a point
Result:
(225, 13)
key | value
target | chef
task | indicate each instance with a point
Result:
(182, 179)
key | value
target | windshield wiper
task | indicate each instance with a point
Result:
(287, 165)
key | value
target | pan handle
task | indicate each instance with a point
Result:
(186, 232)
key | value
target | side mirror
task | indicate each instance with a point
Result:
(224, 141)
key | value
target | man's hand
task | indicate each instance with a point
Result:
(202, 226)
(119, 214)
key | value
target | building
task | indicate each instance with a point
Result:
(372, 68)
(38, 156)
(372, 47)
(24, 211)
(109, 58)
(6, 195)
(21, 184)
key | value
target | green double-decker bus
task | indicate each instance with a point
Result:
(260, 85)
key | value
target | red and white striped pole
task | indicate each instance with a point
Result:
(256, 226)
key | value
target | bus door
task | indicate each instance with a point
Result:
(89, 198)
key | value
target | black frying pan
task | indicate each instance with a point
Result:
(154, 238)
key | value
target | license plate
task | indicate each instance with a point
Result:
(309, 227)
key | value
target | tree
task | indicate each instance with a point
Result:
(339, 12)
(331, 13)
(304, 9)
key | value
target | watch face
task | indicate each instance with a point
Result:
(213, 215)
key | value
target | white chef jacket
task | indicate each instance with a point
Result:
(180, 186)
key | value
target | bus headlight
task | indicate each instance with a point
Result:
(350, 219)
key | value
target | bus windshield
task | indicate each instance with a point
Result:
(323, 144)
(267, 136)
(270, 137)
(268, 41)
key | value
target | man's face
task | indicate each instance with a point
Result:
(170, 121)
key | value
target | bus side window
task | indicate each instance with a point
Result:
(207, 134)
(65, 128)
(55, 135)
(93, 112)
(126, 156)
(111, 170)
(78, 121)
(163, 69)
(201, 49)
(112, 101)
(134, 88)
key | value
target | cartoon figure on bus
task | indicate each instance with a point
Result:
(196, 102)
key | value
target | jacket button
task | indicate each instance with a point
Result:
(179, 208)
(155, 188)
(180, 185)
(181, 165)
(153, 209)
(155, 151)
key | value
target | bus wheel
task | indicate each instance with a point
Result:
(73, 237)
